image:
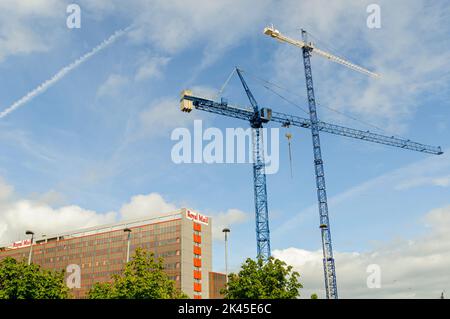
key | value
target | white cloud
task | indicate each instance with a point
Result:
(99, 8)
(407, 69)
(18, 215)
(433, 171)
(205, 92)
(112, 85)
(414, 268)
(5, 190)
(226, 219)
(37, 7)
(154, 204)
(23, 139)
(45, 219)
(21, 23)
(151, 68)
(397, 179)
(173, 26)
(19, 40)
(162, 116)
(438, 219)
(51, 198)
(149, 205)
(443, 181)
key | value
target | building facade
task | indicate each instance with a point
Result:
(182, 238)
(217, 281)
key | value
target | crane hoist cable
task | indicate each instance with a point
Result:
(289, 137)
(219, 93)
(266, 84)
(287, 100)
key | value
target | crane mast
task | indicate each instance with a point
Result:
(307, 50)
(256, 119)
(259, 177)
(328, 260)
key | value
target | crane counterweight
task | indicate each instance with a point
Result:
(185, 104)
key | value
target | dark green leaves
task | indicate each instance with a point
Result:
(143, 278)
(272, 279)
(18, 280)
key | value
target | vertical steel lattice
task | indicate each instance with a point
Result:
(328, 260)
(259, 180)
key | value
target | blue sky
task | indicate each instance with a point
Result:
(79, 153)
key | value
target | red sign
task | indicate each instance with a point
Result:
(196, 217)
(20, 244)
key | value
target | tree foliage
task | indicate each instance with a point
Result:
(18, 280)
(272, 279)
(142, 278)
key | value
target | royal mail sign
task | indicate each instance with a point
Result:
(196, 217)
(20, 244)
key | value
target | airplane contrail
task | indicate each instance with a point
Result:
(61, 73)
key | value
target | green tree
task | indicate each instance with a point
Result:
(314, 296)
(142, 278)
(18, 280)
(257, 279)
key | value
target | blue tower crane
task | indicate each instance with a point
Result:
(307, 49)
(257, 117)
(259, 175)
(328, 259)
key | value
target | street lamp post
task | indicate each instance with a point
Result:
(128, 230)
(29, 232)
(226, 231)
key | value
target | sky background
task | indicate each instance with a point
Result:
(95, 147)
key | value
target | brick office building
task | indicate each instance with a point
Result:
(182, 238)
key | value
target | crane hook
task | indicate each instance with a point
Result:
(289, 137)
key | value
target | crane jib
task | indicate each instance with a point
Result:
(291, 120)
